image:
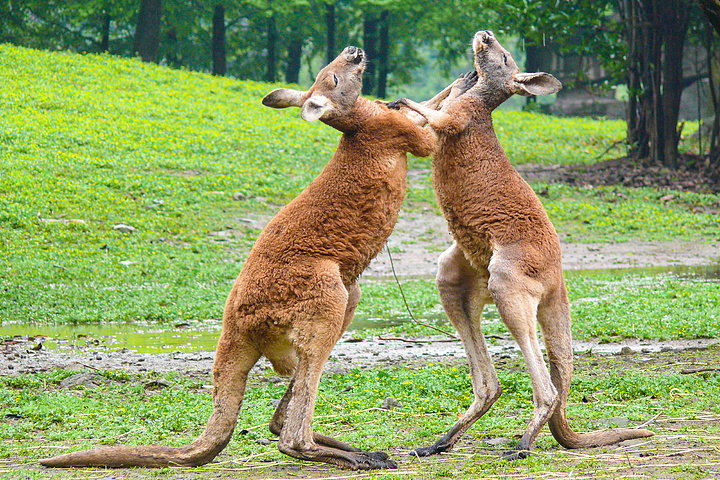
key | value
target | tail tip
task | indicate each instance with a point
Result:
(48, 462)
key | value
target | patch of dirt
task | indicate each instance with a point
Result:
(420, 237)
(694, 174)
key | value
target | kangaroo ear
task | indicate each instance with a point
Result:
(539, 83)
(315, 107)
(284, 98)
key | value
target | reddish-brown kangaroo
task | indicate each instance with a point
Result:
(506, 250)
(297, 291)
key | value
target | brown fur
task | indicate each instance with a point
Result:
(297, 292)
(506, 251)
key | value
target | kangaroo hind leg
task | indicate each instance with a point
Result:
(278, 419)
(554, 320)
(517, 297)
(463, 293)
(314, 336)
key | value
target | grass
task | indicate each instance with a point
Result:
(430, 398)
(609, 306)
(195, 165)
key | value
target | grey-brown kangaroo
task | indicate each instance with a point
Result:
(297, 291)
(506, 250)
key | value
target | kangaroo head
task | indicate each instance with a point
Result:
(334, 93)
(499, 77)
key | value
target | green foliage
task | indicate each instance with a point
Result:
(604, 305)
(89, 142)
(627, 305)
(616, 214)
(543, 139)
(195, 164)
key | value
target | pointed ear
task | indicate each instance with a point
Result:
(539, 83)
(284, 98)
(315, 107)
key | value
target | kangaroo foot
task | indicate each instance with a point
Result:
(355, 460)
(517, 454)
(431, 450)
(376, 460)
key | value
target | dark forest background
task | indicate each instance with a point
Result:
(640, 46)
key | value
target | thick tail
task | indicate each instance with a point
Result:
(216, 436)
(569, 439)
(555, 323)
(232, 365)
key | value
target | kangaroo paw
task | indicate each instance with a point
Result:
(374, 461)
(512, 455)
(431, 450)
(397, 104)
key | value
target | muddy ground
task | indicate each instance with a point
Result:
(416, 243)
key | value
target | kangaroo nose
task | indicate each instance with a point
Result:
(485, 36)
(359, 54)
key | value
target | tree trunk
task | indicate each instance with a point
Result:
(292, 68)
(172, 55)
(532, 64)
(271, 49)
(147, 34)
(330, 33)
(105, 42)
(711, 9)
(384, 55)
(655, 32)
(219, 52)
(652, 78)
(370, 41)
(674, 18)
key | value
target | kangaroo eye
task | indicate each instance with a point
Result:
(335, 79)
(505, 59)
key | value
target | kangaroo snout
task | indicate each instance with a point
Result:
(484, 37)
(357, 54)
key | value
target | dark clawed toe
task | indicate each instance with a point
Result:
(376, 461)
(470, 79)
(378, 455)
(512, 455)
(397, 104)
(426, 451)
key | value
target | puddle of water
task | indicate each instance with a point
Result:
(203, 336)
(141, 338)
(700, 272)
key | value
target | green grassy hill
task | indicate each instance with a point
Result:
(89, 142)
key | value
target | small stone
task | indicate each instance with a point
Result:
(498, 441)
(87, 380)
(123, 228)
(262, 441)
(621, 422)
(626, 351)
(390, 404)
